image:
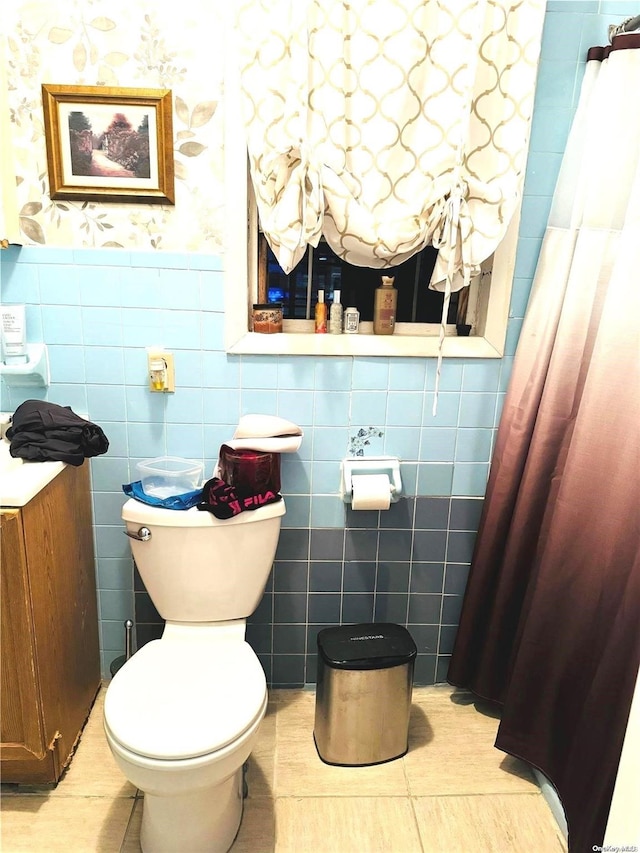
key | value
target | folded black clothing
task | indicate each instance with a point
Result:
(224, 501)
(47, 432)
(35, 447)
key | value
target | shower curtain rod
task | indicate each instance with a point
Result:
(629, 25)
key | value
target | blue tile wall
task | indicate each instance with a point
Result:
(98, 309)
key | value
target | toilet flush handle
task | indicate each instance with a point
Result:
(143, 534)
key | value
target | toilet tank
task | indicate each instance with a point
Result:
(198, 568)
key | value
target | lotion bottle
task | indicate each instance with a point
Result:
(335, 315)
(384, 307)
(320, 315)
(14, 341)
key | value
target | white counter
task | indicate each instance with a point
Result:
(20, 480)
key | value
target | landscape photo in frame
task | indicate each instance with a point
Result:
(109, 144)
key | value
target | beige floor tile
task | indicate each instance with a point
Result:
(503, 823)
(131, 842)
(283, 698)
(257, 831)
(93, 771)
(298, 803)
(346, 825)
(67, 824)
(301, 773)
(436, 691)
(451, 749)
(261, 764)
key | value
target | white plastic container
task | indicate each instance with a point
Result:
(166, 476)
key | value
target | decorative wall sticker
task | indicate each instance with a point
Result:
(362, 439)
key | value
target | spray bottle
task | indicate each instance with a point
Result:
(320, 315)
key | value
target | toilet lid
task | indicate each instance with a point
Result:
(175, 700)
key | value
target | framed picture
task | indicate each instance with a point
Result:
(109, 144)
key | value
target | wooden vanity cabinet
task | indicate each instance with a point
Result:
(50, 656)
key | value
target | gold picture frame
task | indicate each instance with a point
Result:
(109, 144)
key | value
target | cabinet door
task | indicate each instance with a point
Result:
(21, 723)
(58, 534)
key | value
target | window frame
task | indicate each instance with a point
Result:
(489, 319)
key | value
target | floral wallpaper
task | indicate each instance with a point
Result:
(121, 43)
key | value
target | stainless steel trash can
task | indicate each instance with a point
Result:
(363, 693)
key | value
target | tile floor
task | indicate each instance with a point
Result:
(452, 792)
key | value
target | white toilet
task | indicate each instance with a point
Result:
(182, 715)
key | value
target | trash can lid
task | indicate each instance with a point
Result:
(373, 645)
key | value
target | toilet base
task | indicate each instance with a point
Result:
(203, 821)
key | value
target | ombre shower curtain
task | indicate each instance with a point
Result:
(550, 626)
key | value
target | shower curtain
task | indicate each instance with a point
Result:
(550, 626)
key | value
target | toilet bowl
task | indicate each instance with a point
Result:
(181, 718)
(182, 715)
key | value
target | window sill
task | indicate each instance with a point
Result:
(399, 345)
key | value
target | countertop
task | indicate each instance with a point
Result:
(20, 481)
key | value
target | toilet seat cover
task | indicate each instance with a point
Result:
(178, 700)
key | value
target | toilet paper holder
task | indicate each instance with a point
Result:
(389, 465)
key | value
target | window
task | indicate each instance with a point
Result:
(321, 269)
(488, 298)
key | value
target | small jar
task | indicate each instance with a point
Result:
(267, 318)
(351, 321)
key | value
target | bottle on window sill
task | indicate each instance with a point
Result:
(320, 315)
(351, 321)
(384, 307)
(335, 314)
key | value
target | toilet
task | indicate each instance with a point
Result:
(182, 715)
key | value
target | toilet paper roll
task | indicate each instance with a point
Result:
(370, 491)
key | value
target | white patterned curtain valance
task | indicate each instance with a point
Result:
(388, 125)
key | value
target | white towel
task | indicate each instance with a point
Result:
(267, 433)
(265, 426)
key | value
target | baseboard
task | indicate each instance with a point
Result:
(553, 800)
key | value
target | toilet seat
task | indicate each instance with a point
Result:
(177, 700)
